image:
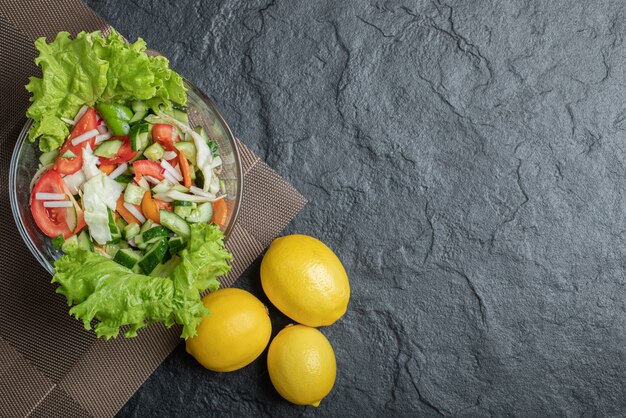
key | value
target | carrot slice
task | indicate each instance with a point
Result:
(219, 212)
(107, 168)
(149, 208)
(125, 213)
(184, 168)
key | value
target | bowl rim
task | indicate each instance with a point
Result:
(21, 140)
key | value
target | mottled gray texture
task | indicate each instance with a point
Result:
(466, 162)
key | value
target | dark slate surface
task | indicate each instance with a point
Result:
(466, 161)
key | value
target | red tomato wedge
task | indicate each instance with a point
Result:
(164, 135)
(147, 168)
(71, 165)
(124, 154)
(55, 221)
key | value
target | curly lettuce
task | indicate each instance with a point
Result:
(92, 68)
(99, 289)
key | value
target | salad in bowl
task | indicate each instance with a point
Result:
(130, 188)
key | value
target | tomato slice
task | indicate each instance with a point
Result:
(147, 168)
(124, 154)
(54, 221)
(71, 165)
(164, 135)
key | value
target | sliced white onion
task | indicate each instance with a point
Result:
(168, 155)
(50, 196)
(118, 171)
(68, 121)
(58, 204)
(103, 137)
(143, 183)
(151, 179)
(176, 195)
(74, 181)
(85, 137)
(102, 129)
(170, 178)
(169, 169)
(198, 191)
(132, 209)
(80, 114)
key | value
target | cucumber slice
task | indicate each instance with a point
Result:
(178, 114)
(176, 245)
(84, 241)
(165, 269)
(70, 243)
(127, 257)
(199, 129)
(108, 149)
(124, 179)
(223, 186)
(139, 136)
(133, 194)
(68, 154)
(139, 105)
(147, 225)
(183, 211)
(71, 218)
(58, 242)
(121, 225)
(116, 235)
(139, 242)
(48, 157)
(202, 214)
(138, 116)
(155, 119)
(154, 152)
(188, 149)
(161, 187)
(183, 203)
(154, 256)
(131, 230)
(153, 234)
(175, 223)
(111, 249)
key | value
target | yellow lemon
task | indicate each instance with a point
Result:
(305, 280)
(235, 333)
(302, 365)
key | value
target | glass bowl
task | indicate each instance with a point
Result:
(25, 163)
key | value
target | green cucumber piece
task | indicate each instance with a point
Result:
(108, 149)
(147, 225)
(58, 242)
(138, 117)
(199, 129)
(121, 226)
(175, 223)
(127, 257)
(223, 186)
(131, 230)
(154, 256)
(154, 152)
(152, 234)
(188, 149)
(48, 157)
(165, 269)
(139, 105)
(139, 242)
(124, 179)
(180, 188)
(71, 218)
(134, 194)
(69, 243)
(176, 245)
(155, 119)
(183, 203)
(161, 187)
(84, 241)
(116, 235)
(202, 214)
(111, 249)
(178, 114)
(139, 136)
(68, 154)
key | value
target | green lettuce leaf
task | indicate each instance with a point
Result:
(90, 68)
(99, 288)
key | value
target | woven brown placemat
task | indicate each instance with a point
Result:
(49, 365)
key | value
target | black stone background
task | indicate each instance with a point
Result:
(464, 160)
